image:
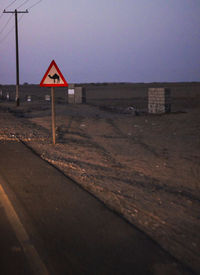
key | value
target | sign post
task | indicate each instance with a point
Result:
(53, 115)
(53, 78)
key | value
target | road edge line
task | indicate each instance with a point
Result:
(35, 262)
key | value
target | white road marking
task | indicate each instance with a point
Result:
(38, 267)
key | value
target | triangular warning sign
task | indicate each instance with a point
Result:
(53, 77)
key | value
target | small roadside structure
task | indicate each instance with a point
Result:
(47, 98)
(28, 99)
(159, 100)
(8, 96)
(75, 95)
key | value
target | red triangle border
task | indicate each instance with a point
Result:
(65, 84)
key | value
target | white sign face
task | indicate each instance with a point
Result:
(53, 77)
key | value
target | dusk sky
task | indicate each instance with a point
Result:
(103, 40)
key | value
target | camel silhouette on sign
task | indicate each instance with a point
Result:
(54, 77)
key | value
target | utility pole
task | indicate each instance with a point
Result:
(17, 51)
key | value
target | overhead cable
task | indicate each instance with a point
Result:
(4, 38)
(10, 4)
(1, 15)
(34, 4)
(23, 4)
(6, 23)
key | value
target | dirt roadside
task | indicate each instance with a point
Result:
(144, 167)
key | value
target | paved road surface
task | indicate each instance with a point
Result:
(62, 229)
(12, 257)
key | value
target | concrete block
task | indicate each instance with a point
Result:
(159, 100)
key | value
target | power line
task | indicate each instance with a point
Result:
(26, 1)
(9, 32)
(34, 4)
(4, 38)
(3, 28)
(9, 19)
(10, 4)
(1, 15)
(23, 4)
(8, 7)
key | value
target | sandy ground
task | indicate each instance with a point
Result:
(145, 167)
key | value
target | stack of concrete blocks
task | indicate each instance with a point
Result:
(78, 95)
(159, 100)
(74, 94)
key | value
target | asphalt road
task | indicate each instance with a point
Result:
(12, 258)
(62, 229)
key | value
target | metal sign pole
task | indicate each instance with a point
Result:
(53, 115)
